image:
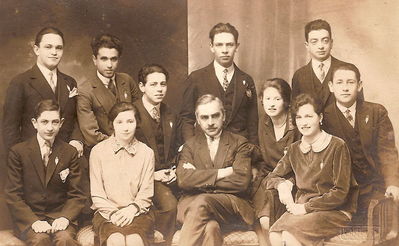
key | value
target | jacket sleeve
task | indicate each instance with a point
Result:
(134, 89)
(295, 87)
(188, 108)
(21, 212)
(252, 117)
(282, 171)
(87, 120)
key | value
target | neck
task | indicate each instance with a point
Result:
(311, 139)
(123, 142)
(145, 98)
(279, 120)
(346, 105)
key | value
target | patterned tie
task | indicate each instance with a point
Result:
(111, 87)
(47, 152)
(322, 73)
(349, 117)
(51, 82)
(155, 114)
(225, 80)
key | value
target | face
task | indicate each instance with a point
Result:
(48, 124)
(50, 50)
(345, 87)
(273, 103)
(308, 121)
(155, 88)
(125, 126)
(319, 44)
(224, 48)
(210, 117)
(106, 61)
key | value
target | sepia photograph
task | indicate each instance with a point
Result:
(199, 123)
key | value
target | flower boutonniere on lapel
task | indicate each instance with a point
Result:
(171, 124)
(64, 174)
(72, 91)
(56, 160)
(367, 119)
(248, 91)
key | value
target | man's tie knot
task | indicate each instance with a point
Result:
(51, 81)
(111, 86)
(155, 114)
(225, 80)
(322, 73)
(349, 117)
(47, 152)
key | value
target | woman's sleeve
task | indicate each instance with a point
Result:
(342, 173)
(144, 196)
(98, 194)
(282, 170)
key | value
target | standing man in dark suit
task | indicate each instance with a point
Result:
(224, 79)
(313, 78)
(103, 89)
(42, 81)
(214, 173)
(368, 132)
(43, 190)
(158, 129)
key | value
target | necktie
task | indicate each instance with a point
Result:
(212, 148)
(322, 73)
(111, 87)
(46, 154)
(349, 117)
(51, 82)
(155, 114)
(225, 80)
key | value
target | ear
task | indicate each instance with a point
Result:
(142, 86)
(211, 47)
(62, 122)
(359, 86)
(238, 45)
(34, 123)
(321, 118)
(36, 49)
(94, 60)
(306, 44)
(330, 84)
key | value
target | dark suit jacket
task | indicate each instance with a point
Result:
(170, 126)
(234, 151)
(95, 101)
(376, 136)
(34, 192)
(23, 94)
(244, 116)
(306, 81)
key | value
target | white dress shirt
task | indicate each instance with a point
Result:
(46, 73)
(213, 144)
(220, 74)
(352, 110)
(105, 80)
(326, 66)
(42, 144)
(148, 106)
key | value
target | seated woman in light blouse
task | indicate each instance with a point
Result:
(276, 132)
(122, 183)
(326, 190)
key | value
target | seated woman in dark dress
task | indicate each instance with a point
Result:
(326, 190)
(122, 183)
(276, 132)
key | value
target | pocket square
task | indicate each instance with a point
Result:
(64, 174)
(72, 92)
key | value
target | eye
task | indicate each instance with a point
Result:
(114, 59)
(59, 47)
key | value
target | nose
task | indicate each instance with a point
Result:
(49, 127)
(321, 46)
(53, 51)
(225, 49)
(211, 122)
(109, 64)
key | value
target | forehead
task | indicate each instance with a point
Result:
(49, 115)
(306, 109)
(156, 77)
(223, 37)
(318, 34)
(209, 108)
(342, 74)
(271, 91)
(107, 52)
(51, 38)
(125, 115)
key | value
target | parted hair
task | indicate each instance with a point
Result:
(46, 105)
(106, 41)
(303, 99)
(207, 98)
(122, 107)
(47, 30)
(318, 24)
(348, 67)
(281, 86)
(149, 69)
(223, 27)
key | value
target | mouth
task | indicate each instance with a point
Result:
(159, 96)
(225, 57)
(345, 95)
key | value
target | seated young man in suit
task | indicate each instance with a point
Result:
(224, 79)
(214, 172)
(369, 134)
(103, 89)
(43, 190)
(158, 129)
(313, 78)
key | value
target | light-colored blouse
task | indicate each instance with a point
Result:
(121, 176)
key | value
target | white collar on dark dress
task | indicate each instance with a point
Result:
(319, 145)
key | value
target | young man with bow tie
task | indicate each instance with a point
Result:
(44, 190)
(158, 128)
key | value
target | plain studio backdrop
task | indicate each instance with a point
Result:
(174, 33)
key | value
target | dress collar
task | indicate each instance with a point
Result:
(131, 147)
(319, 145)
(290, 127)
(105, 80)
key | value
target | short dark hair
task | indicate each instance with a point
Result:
(281, 86)
(47, 30)
(348, 67)
(106, 41)
(122, 107)
(208, 98)
(223, 27)
(149, 69)
(46, 105)
(318, 24)
(303, 99)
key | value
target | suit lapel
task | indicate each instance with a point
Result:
(214, 84)
(123, 90)
(36, 158)
(52, 165)
(364, 122)
(104, 96)
(40, 84)
(167, 126)
(62, 90)
(203, 151)
(239, 91)
(333, 113)
(222, 151)
(145, 126)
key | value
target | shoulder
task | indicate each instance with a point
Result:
(374, 108)
(124, 76)
(337, 62)
(22, 77)
(302, 70)
(144, 148)
(202, 71)
(67, 78)
(337, 141)
(101, 147)
(244, 75)
(169, 110)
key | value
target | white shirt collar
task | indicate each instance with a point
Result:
(42, 144)
(351, 108)
(326, 62)
(148, 106)
(105, 80)
(319, 145)
(220, 74)
(45, 71)
(215, 138)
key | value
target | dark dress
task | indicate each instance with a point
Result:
(266, 202)
(325, 186)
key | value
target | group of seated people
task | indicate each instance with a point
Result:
(299, 172)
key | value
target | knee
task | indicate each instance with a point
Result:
(134, 240)
(290, 239)
(265, 222)
(211, 227)
(116, 239)
(39, 239)
(64, 238)
(200, 205)
(275, 238)
(166, 202)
